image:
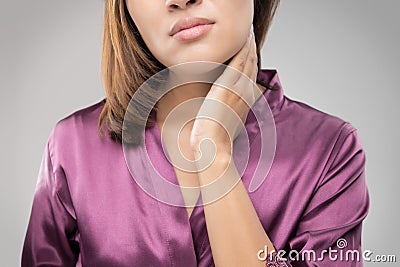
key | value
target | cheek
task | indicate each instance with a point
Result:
(236, 30)
(145, 15)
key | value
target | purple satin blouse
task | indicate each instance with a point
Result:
(88, 210)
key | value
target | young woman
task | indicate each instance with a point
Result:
(90, 209)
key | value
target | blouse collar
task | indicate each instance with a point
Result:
(270, 79)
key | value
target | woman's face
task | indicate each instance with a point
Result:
(219, 41)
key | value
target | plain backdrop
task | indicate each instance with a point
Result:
(341, 57)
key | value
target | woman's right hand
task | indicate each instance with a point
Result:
(228, 108)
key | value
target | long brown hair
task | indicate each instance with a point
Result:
(127, 63)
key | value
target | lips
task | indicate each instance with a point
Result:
(189, 22)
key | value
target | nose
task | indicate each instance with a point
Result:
(180, 4)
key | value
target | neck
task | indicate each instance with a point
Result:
(178, 95)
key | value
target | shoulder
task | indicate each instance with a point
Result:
(84, 117)
(326, 141)
(304, 128)
(77, 130)
(314, 121)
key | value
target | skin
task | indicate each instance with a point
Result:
(154, 19)
(236, 243)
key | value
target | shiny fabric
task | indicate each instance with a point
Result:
(88, 211)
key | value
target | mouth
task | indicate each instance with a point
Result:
(191, 28)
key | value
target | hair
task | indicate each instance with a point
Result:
(127, 63)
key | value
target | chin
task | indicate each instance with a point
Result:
(221, 58)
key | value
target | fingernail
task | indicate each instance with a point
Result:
(250, 33)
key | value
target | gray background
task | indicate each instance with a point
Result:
(339, 56)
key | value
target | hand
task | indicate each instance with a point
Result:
(227, 107)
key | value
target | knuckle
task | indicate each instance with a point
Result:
(241, 64)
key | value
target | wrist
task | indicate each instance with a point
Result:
(207, 161)
(211, 170)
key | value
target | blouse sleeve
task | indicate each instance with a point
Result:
(50, 237)
(329, 232)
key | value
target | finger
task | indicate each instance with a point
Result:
(239, 60)
(234, 70)
(254, 72)
(254, 69)
(247, 83)
(251, 59)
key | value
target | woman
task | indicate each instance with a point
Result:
(87, 209)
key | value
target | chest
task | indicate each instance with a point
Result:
(181, 157)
